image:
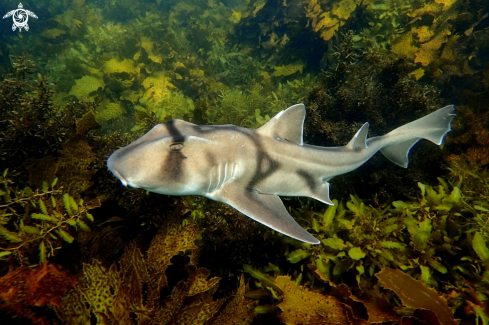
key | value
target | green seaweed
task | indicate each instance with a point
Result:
(371, 237)
(434, 238)
(41, 219)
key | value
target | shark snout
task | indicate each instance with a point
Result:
(113, 164)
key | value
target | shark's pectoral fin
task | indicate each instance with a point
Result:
(267, 209)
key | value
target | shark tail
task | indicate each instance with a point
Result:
(432, 127)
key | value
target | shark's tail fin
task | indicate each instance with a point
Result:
(432, 127)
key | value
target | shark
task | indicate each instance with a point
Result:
(250, 168)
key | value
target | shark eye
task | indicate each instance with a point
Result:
(176, 146)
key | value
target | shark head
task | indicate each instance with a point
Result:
(158, 162)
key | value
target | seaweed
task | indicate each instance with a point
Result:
(32, 127)
(437, 242)
(39, 220)
(25, 290)
(116, 294)
(367, 238)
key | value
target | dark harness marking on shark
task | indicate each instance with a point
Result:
(308, 178)
(174, 161)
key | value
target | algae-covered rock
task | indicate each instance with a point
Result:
(287, 70)
(85, 86)
(116, 66)
(148, 46)
(110, 112)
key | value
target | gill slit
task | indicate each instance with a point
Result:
(225, 173)
(210, 179)
(218, 177)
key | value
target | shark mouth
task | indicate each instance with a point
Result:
(119, 176)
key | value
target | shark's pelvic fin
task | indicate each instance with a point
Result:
(267, 209)
(287, 125)
(359, 140)
(432, 127)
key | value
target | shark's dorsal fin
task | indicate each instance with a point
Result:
(359, 140)
(287, 125)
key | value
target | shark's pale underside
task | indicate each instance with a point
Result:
(248, 169)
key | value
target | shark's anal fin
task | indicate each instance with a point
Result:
(267, 209)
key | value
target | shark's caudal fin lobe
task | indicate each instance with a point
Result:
(287, 125)
(359, 140)
(267, 209)
(398, 153)
(432, 127)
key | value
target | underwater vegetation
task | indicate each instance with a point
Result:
(115, 295)
(420, 245)
(76, 247)
(31, 126)
(157, 64)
